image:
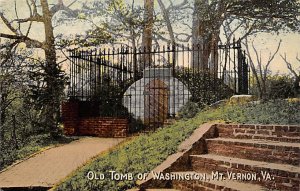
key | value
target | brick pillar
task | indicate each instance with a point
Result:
(70, 117)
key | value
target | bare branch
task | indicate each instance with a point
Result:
(71, 3)
(289, 65)
(167, 20)
(29, 28)
(261, 78)
(29, 7)
(187, 25)
(36, 18)
(298, 58)
(61, 7)
(258, 59)
(160, 37)
(17, 15)
(28, 41)
(271, 57)
(252, 65)
(7, 23)
(187, 39)
(34, 7)
(177, 6)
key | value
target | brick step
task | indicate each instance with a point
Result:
(277, 128)
(261, 136)
(228, 185)
(231, 130)
(254, 149)
(282, 175)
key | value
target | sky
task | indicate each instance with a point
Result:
(264, 42)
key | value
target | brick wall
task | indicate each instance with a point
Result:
(94, 126)
(103, 127)
(70, 117)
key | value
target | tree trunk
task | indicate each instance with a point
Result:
(263, 91)
(52, 71)
(207, 21)
(297, 86)
(147, 33)
(201, 35)
(214, 54)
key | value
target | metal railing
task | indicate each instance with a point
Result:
(153, 84)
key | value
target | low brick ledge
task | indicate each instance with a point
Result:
(74, 124)
(193, 145)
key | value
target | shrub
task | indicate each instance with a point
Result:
(281, 87)
(277, 87)
(205, 88)
(189, 110)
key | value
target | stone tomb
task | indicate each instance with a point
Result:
(157, 96)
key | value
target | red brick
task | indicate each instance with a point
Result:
(247, 126)
(265, 127)
(239, 130)
(282, 128)
(294, 128)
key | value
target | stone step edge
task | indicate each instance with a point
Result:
(259, 143)
(233, 131)
(274, 127)
(259, 164)
(262, 136)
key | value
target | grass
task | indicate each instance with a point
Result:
(33, 145)
(145, 152)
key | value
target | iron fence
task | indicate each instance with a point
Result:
(153, 84)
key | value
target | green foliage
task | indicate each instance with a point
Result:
(135, 125)
(108, 97)
(281, 87)
(145, 152)
(271, 112)
(46, 84)
(205, 88)
(277, 87)
(189, 110)
(286, 12)
(92, 37)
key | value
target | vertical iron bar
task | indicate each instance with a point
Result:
(174, 83)
(71, 73)
(234, 65)
(188, 70)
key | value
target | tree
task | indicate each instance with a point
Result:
(260, 68)
(296, 74)
(13, 90)
(258, 15)
(41, 12)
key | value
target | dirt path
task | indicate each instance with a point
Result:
(49, 167)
